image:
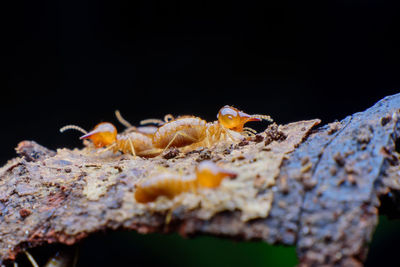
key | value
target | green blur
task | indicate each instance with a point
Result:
(384, 248)
(132, 249)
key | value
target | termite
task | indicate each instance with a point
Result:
(208, 175)
(105, 135)
(185, 131)
(193, 131)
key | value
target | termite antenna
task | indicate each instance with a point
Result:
(151, 121)
(121, 120)
(263, 117)
(73, 127)
(168, 118)
(249, 130)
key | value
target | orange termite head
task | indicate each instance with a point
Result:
(104, 134)
(210, 175)
(234, 119)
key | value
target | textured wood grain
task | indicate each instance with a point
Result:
(317, 188)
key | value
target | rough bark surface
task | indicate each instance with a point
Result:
(317, 189)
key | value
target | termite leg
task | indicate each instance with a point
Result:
(106, 149)
(132, 147)
(175, 136)
(121, 119)
(31, 259)
(207, 142)
(229, 134)
(168, 217)
(152, 152)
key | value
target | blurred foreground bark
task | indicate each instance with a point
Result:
(316, 188)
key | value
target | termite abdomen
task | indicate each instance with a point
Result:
(180, 132)
(167, 185)
(208, 175)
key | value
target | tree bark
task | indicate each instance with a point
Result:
(316, 188)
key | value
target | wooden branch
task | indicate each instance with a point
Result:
(318, 189)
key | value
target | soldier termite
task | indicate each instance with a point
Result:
(192, 132)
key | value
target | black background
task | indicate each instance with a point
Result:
(77, 61)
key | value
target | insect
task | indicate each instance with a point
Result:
(191, 132)
(208, 175)
(105, 135)
(186, 131)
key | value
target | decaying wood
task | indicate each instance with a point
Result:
(317, 188)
